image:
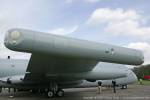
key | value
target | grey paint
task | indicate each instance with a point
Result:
(129, 79)
(36, 42)
(105, 70)
(66, 60)
(12, 67)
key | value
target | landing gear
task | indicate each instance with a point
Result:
(124, 87)
(54, 90)
(50, 94)
(42, 91)
(60, 93)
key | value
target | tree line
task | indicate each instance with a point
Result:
(142, 71)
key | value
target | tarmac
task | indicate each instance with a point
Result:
(134, 92)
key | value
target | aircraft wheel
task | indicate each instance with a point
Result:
(50, 93)
(60, 93)
(124, 87)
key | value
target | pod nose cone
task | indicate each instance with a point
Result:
(11, 38)
(141, 56)
(14, 35)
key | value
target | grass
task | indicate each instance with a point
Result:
(144, 82)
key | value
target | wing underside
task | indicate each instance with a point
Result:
(41, 65)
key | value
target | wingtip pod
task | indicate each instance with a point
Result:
(17, 40)
(31, 41)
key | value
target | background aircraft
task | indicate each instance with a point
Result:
(122, 82)
(59, 62)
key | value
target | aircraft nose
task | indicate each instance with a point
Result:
(135, 79)
(131, 77)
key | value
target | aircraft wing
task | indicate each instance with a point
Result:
(44, 66)
(52, 54)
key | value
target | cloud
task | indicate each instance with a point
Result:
(64, 31)
(30, 14)
(4, 53)
(144, 47)
(17, 14)
(88, 1)
(120, 22)
(69, 1)
(105, 15)
(92, 1)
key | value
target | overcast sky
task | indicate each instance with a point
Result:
(118, 22)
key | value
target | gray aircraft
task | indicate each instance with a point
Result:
(59, 62)
(122, 82)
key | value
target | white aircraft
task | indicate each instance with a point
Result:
(59, 62)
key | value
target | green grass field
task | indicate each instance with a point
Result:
(144, 82)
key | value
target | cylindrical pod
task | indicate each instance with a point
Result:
(37, 42)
